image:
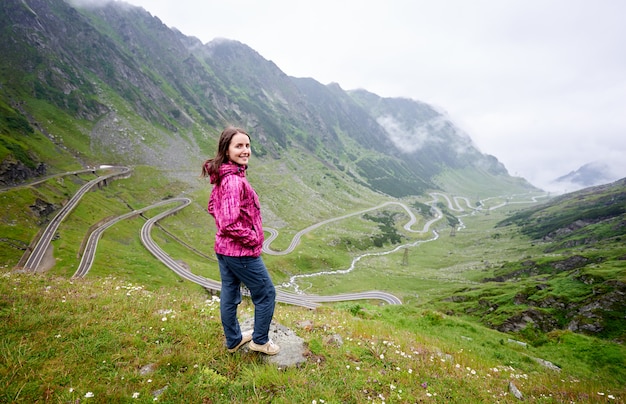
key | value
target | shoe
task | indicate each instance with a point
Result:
(269, 348)
(245, 338)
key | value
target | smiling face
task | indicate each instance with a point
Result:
(239, 149)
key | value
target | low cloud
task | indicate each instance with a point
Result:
(408, 140)
(94, 3)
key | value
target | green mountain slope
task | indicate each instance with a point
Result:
(574, 276)
(113, 83)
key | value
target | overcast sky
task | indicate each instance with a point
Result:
(540, 84)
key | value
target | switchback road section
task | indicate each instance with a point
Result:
(92, 243)
(299, 299)
(38, 252)
(210, 284)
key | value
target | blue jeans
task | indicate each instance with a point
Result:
(253, 273)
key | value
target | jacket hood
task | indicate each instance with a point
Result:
(226, 169)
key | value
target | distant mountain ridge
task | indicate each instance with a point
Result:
(590, 174)
(130, 90)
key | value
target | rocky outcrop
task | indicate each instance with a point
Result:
(530, 268)
(14, 172)
(41, 208)
(601, 314)
(538, 318)
(292, 348)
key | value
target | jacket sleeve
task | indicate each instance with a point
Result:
(211, 205)
(232, 221)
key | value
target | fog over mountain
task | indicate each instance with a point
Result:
(540, 86)
(114, 83)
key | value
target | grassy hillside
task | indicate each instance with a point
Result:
(65, 338)
(106, 339)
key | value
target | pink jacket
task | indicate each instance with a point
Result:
(237, 212)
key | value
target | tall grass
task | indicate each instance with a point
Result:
(108, 340)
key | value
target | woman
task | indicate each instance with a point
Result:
(238, 242)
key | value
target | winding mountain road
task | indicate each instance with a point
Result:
(36, 256)
(296, 238)
(298, 299)
(408, 227)
(92, 242)
(210, 284)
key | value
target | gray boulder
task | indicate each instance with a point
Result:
(292, 349)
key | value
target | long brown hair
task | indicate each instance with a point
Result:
(211, 166)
